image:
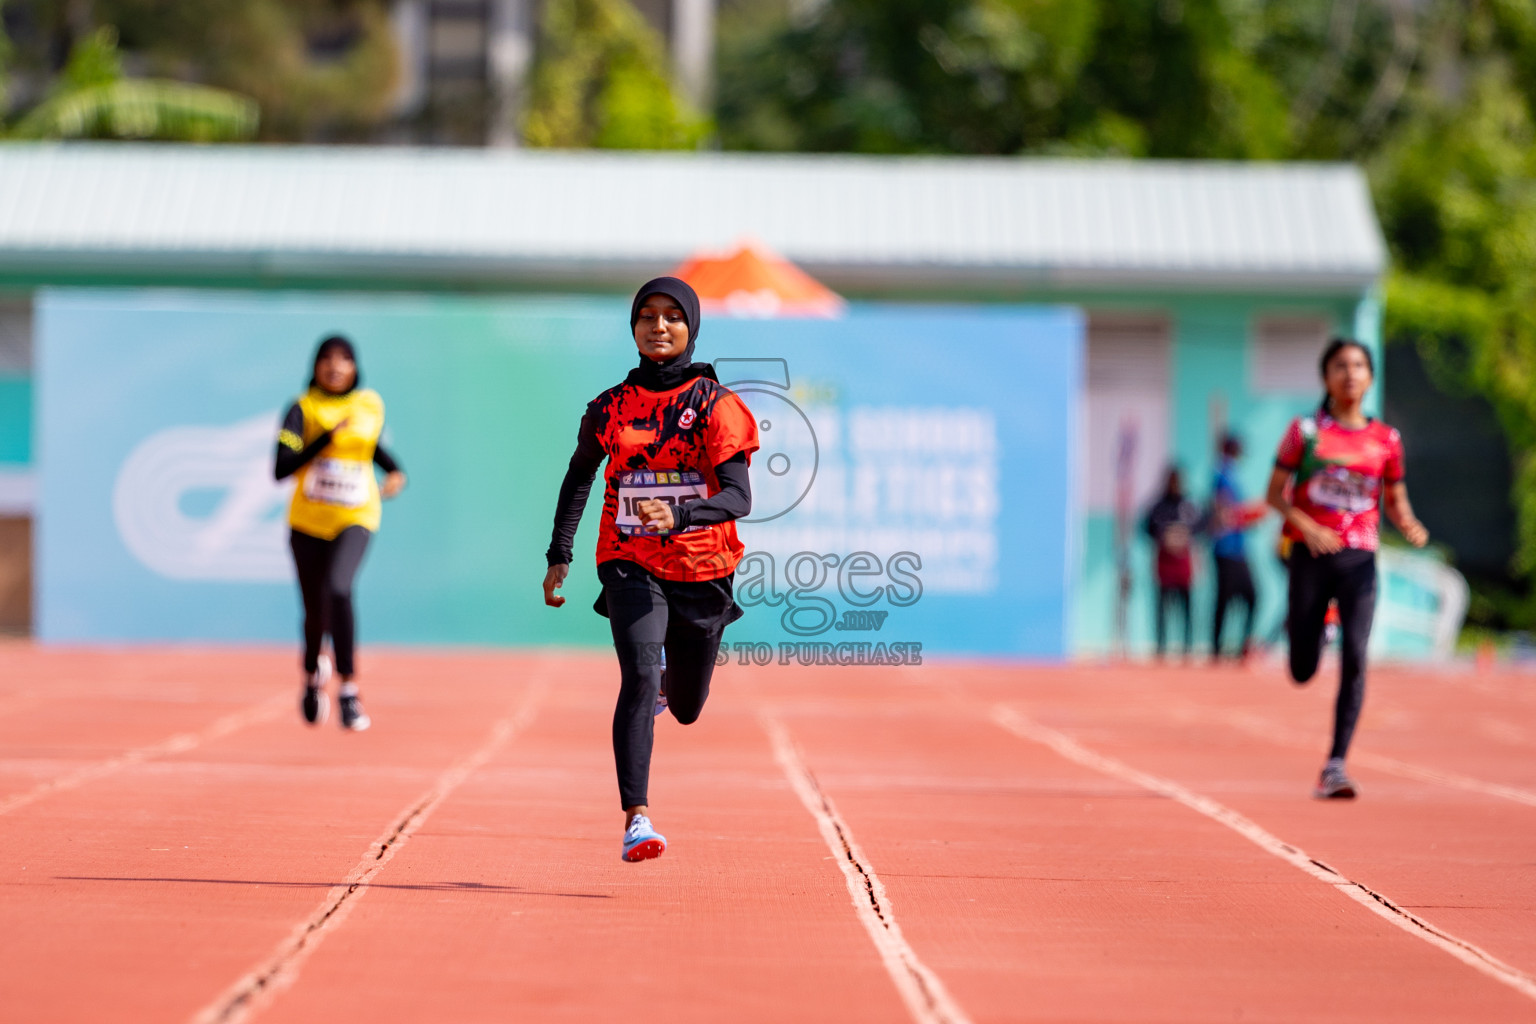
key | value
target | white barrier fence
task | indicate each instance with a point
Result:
(1421, 604)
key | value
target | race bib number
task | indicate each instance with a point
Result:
(339, 482)
(1338, 488)
(671, 486)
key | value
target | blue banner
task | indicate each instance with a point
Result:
(914, 487)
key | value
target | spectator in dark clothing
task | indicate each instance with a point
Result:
(1171, 523)
(1230, 517)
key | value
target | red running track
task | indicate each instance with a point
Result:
(938, 844)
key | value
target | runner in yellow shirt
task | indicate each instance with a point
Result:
(330, 443)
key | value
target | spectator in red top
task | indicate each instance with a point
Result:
(1339, 464)
(1171, 523)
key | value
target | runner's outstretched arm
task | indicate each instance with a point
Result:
(394, 476)
(574, 490)
(1401, 514)
(292, 453)
(732, 502)
(385, 460)
(1319, 539)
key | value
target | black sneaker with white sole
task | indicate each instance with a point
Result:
(313, 704)
(353, 716)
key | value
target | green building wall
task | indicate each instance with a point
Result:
(15, 420)
(1211, 346)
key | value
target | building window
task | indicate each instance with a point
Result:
(15, 335)
(1285, 354)
(1127, 399)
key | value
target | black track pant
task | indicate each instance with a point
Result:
(647, 614)
(1234, 582)
(1349, 577)
(326, 571)
(1178, 596)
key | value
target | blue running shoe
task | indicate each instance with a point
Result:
(661, 694)
(641, 842)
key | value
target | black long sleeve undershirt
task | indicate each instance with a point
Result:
(384, 460)
(289, 462)
(574, 490)
(733, 501)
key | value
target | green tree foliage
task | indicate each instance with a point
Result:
(1457, 193)
(1436, 97)
(1132, 77)
(92, 99)
(320, 69)
(599, 81)
(5, 62)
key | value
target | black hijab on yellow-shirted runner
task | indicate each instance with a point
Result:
(342, 343)
(674, 372)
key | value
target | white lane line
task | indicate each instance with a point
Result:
(1478, 959)
(178, 744)
(926, 998)
(1255, 726)
(255, 991)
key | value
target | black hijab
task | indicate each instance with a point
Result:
(674, 372)
(336, 341)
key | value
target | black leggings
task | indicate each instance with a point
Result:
(326, 571)
(1234, 582)
(1349, 577)
(647, 614)
(1180, 597)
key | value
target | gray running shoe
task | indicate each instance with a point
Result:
(1334, 784)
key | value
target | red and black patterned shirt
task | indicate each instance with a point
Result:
(666, 445)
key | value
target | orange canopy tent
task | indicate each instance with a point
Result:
(754, 282)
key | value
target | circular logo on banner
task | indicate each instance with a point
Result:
(789, 451)
(199, 503)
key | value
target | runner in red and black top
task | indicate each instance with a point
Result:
(1342, 463)
(678, 445)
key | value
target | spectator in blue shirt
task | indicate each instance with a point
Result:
(1228, 519)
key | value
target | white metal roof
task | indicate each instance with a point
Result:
(563, 217)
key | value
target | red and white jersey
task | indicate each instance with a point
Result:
(1340, 474)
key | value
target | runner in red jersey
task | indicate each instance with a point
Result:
(1338, 464)
(677, 445)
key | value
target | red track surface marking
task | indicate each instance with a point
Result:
(179, 744)
(925, 995)
(18, 702)
(253, 992)
(1373, 901)
(1267, 730)
(513, 902)
(140, 896)
(1459, 858)
(1039, 889)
